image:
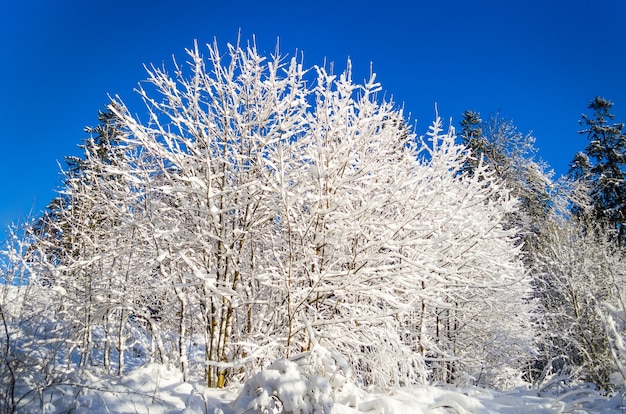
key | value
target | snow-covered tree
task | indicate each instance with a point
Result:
(512, 156)
(473, 264)
(581, 278)
(82, 245)
(33, 346)
(602, 165)
(259, 204)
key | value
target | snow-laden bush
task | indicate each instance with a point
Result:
(33, 346)
(581, 280)
(282, 387)
(255, 192)
(310, 382)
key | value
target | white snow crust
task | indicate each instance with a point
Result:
(287, 386)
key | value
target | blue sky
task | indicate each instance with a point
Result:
(539, 62)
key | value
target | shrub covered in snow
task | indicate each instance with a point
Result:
(284, 387)
(257, 194)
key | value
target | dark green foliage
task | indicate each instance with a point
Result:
(472, 136)
(601, 166)
(52, 228)
(102, 144)
(510, 153)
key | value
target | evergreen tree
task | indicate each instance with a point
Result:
(76, 226)
(602, 165)
(472, 137)
(51, 228)
(511, 155)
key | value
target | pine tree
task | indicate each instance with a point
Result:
(472, 137)
(51, 229)
(602, 165)
(75, 226)
(511, 155)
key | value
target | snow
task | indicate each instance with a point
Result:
(284, 387)
(317, 381)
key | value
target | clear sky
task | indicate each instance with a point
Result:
(539, 62)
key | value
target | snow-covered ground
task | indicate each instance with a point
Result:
(281, 388)
(318, 381)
